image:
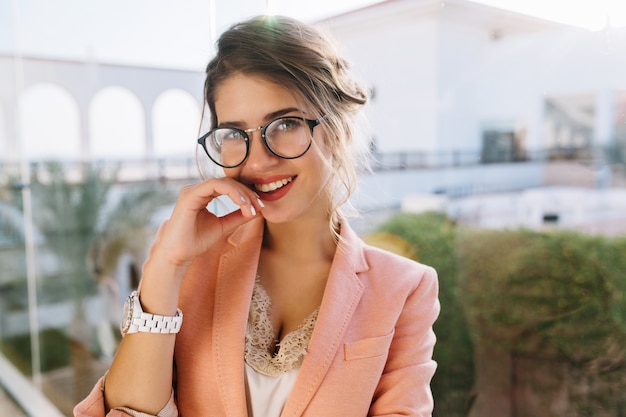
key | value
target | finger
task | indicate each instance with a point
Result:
(200, 195)
(233, 220)
(247, 200)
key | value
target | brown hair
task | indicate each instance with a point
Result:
(301, 58)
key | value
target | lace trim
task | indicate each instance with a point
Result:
(260, 340)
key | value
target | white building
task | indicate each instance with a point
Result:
(474, 91)
(460, 76)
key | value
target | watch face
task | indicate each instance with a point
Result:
(127, 315)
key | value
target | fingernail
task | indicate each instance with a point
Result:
(258, 200)
(253, 210)
(243, 199)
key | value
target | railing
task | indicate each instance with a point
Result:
(386, 161)
(125, 170)
(436, 160)
(180, 168)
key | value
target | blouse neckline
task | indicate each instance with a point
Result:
(260, 341)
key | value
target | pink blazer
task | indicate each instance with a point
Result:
(370, 353)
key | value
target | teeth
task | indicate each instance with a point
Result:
(272, 186)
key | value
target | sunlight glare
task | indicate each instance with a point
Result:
(270, 8)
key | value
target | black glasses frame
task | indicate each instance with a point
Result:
(245, 133)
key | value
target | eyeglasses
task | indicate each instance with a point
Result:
(286, 137)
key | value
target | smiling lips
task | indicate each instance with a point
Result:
(272, 186)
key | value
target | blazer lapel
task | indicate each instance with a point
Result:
(341, 296)
(235, 281)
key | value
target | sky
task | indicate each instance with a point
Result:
(162, 33)
(143, 32)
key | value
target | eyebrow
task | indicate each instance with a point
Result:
(268, 117)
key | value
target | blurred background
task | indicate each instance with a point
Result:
(499, 146)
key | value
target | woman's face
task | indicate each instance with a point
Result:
(291, 189)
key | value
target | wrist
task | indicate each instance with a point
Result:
(136, 320)
(168, 255)
(160, 286)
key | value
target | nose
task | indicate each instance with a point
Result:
(259, 157)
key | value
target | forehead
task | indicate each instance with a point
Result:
(251, 98)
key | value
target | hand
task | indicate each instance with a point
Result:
(192, 229)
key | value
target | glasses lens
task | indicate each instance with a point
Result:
(289, 137)
(226, 147)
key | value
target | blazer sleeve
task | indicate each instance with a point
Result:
(93, 406)
(404, 388)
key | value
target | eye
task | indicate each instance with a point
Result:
(287, 124)
(230, 135)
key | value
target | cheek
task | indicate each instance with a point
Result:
(323, 146)
(233, 173)
(319, 158)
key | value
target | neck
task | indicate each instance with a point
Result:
(303, 240)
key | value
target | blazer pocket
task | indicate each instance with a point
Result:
(368, 348)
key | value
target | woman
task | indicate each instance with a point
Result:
(286, 311)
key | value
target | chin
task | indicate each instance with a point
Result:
(277, 218)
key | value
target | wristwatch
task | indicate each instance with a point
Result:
(134, 320)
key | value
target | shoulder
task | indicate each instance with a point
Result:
(390, 273)
(397, 285)
(381, 261)
(376, 265)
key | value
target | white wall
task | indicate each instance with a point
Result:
(446, 76)
(387, 189)
(600, 211)
(520, 71)
(397, 57)
(461, 53)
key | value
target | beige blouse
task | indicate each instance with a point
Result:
(270, 376)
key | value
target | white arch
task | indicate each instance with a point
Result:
(50, 123)
(176, 117)
(116, 128)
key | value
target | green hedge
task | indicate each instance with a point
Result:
(553, 295)
(556, 295)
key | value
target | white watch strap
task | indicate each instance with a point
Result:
(154, 323)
